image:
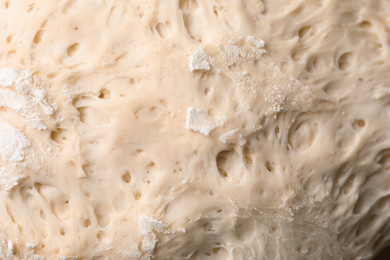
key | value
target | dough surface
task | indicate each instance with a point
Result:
(194, 129)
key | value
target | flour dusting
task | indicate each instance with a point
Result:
(257, 43)
(13, 143)
(200, 121)
(8, 76)
(8, 178)
(29, 100)
(146, 225)
(199, 61)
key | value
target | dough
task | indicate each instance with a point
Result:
(194, 129)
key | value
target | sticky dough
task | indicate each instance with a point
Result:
(194, 129)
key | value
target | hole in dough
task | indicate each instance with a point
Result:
(43, 215)
(38, 37)
(87, 222)
(365, 24)
(248, 156)
(361, 123)
(71, 51)
(60, 135)
(346, 61)
(304, 31)
(126, 177)
(303, 133)
(137, 195)
(105, 94)
(102, 212)
(162, 30)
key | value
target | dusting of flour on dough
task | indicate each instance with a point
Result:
(200, 121)
(199, 61)
(12, 143)
(13, 146)
(30, 245)
(28, 100)
(8, 76)
(300, 170)
(146, 225)
(10, 248)
(257, 43)
(8, 179)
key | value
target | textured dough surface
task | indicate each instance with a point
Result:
(194, 129)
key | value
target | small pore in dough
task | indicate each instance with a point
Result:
(226, 162)
(303, 133)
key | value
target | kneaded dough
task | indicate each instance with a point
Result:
(194, 129)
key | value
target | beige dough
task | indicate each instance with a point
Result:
(194, 129)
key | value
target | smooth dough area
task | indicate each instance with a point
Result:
(194, 129)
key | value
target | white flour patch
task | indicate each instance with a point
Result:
(234, 54)
(8, 178)
(256, 43)
(8, 76)
(199, 60)
(146, 225)
(200, 121)
(28, 100)
(13, 152)
(10, 248)
(30, 245)
(13, 143)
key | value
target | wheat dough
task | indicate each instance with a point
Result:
(194, 129)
